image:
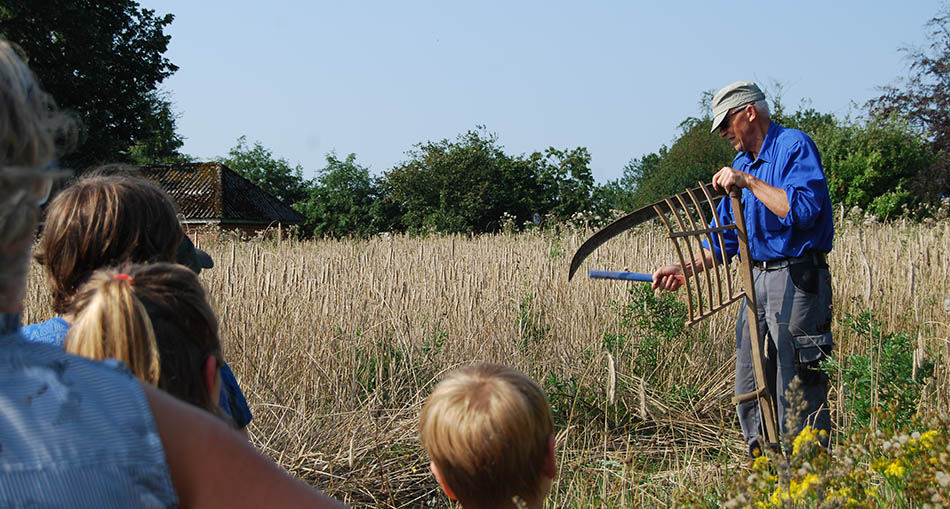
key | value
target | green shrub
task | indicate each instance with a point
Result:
(651, 323)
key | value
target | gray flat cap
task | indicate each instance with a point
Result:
(732, 96)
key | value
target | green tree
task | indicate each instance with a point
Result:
(470, 186)
(565, 180)
(923, 99)
(695, 156)
(162, 144)
(341, 200)
(620, 194)
(873, 165)
(457, 186)
(807, 120)
(103, 60)
(273, 175)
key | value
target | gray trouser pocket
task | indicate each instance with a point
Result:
(811, 350)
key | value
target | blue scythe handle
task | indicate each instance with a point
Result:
(626, 276)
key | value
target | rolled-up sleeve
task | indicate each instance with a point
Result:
(804, 181)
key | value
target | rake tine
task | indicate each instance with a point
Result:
(722, 249)
(679, 253)
(697, 235)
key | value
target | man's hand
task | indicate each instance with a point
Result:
(668, 277)
(671, 277)
(774, 199)
(728, 177)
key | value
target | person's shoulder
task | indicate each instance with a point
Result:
(37, 356)
(79, 413)
(790, 136)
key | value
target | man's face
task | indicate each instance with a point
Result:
(737, 128)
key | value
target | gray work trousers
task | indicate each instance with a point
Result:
(794, 313)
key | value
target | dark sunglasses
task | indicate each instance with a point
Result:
(733, 113)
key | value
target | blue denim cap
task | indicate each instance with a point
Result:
(732, 96)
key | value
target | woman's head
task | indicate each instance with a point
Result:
(155, 318)
(105, 221)
(29, 121)
(30, 127)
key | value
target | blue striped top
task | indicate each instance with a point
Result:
(74, 432)
(231, 400)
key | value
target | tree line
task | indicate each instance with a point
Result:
(104, 61)
(465, 185)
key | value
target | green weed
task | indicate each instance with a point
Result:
(652, 323)
(881, 378)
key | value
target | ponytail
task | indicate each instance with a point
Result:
(113, 324)
(150, 316)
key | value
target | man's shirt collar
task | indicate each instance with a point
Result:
(768, 147)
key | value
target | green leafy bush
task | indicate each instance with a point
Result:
(651, 323)
(872, 165)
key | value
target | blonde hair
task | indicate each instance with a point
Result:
(486, 428)
(30, 127)
(111, 323)
(156, 319)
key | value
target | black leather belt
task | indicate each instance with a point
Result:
(815, 258)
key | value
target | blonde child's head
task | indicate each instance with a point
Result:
(489, 434)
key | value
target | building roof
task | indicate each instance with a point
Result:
(214, 192)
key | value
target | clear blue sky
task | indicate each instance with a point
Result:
(375, 78)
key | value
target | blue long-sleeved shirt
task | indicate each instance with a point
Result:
(788, 160)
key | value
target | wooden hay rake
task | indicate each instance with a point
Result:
(707, 292)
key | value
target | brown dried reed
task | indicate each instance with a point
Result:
(337, 344)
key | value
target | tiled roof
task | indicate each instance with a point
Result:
(214, 192)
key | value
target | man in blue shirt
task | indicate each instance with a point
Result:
(787, 212)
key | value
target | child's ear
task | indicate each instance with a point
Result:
(445, 487)
(550, 469)
(212, 379)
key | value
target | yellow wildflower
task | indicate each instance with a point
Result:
(779, 497)
(927, 438)
(895, 468)
(760, 463)
(797, 489)
(807, 435)
(879, 464)
(843, 493)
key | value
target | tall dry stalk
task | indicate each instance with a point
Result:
(337, 344)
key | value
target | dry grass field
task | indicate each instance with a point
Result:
(337, 344)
